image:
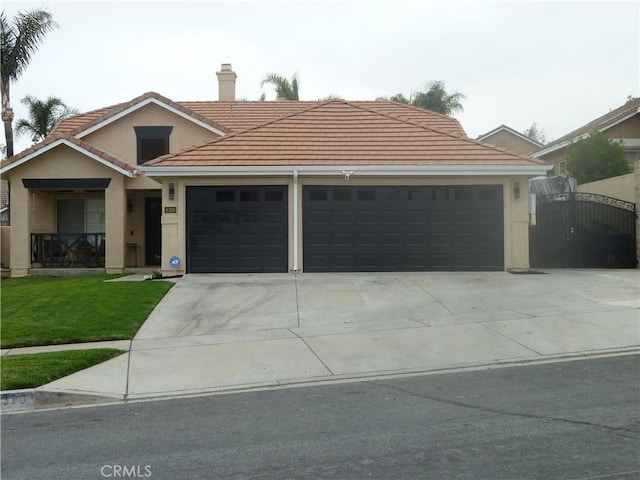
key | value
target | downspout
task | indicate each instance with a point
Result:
(295, 220)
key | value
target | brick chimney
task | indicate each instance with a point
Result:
(226, 83)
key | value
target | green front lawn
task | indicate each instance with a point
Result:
(28, 371)
(41, 310)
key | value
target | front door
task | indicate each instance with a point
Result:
(153, 230)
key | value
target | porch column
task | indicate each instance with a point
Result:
(20, 238)
(636, 178)
(115, 205)
(517, 224)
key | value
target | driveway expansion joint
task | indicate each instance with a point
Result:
(312, 351)
(429, 293)
(509, 338)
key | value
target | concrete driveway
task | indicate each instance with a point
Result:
(228, 332)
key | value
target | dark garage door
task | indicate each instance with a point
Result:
(402, 228)
(236, 229)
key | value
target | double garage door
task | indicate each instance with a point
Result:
(347, 229)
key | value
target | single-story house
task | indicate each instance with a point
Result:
(242, 186)
(506, 137)
(621, 125)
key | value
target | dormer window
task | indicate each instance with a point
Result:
(152, 142)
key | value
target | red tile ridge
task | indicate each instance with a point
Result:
(422, 110)
(234, 134)
(457, 137)
(461, 138)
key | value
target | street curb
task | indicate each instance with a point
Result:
(33, 399)
(18, 400)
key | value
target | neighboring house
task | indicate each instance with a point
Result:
(621, 125)
(229, 186)
(506, 137)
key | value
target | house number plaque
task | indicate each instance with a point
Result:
(170, 209)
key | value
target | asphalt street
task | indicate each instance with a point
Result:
(567, 420)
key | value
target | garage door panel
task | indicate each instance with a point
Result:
(403, 228)
(237, 229)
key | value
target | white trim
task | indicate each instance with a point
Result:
(295, 220)
(64, 141)
(390, 170)
(559, 146)
(627, 142)
(144, 103)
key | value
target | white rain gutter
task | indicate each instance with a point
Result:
(295, 220)
(373, 170)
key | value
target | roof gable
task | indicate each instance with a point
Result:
(600, 124)
(84, 148)
(238, 116)
(85, 124)
(505, 128)
(338, 132)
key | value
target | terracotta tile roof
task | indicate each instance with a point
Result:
(238, 116)
(72, 124)
(600, 123)
(417, 115)
(339, 132)
(84, 145)
(78, 123)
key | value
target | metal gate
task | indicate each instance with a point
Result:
(582, 230)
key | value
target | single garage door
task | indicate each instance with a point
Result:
(236, 229)
(402, 228)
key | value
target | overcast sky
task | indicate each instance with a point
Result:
(559, 64)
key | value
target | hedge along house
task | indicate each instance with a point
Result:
(267, 187)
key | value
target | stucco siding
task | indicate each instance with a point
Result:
(630, 128)
(5, 246)
(511, 142)
(34, 211)
(621, 187)
(119, 138)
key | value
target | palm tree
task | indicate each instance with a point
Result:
(43, 115)
(437, 99)
(18, 41)
(285, 89)
(434, 98)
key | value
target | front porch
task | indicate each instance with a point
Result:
(68, 250)
(85, 232)
(69, 272)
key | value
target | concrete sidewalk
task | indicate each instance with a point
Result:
(216, 333)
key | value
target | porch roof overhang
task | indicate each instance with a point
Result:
(368, 170)
(63, 183)
(84, 148)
